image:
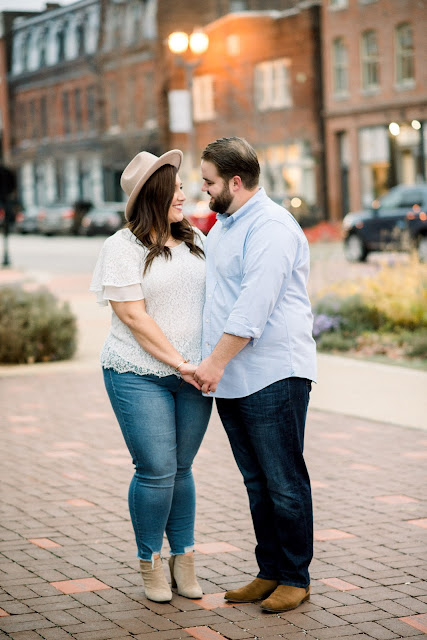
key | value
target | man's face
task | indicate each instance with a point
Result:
(219, 191)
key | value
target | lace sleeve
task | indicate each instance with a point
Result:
(118, 271)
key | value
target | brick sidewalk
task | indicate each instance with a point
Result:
(68, 566)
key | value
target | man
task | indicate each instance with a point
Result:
(259, 361)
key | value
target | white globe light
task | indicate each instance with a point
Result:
(199, 42)
(178, 42)
(394, 128)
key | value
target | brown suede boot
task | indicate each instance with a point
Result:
(285, 598)
(255, 590)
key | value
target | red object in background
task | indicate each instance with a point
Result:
(323, 232)
(201, 217)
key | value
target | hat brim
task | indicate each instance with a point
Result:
(173, 157)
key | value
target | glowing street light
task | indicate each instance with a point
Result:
(394, 128)
(178, 42)
(197, 43)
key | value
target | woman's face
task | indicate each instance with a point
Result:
(175, 210)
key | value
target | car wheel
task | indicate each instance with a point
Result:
(354, 249)
(422, 249)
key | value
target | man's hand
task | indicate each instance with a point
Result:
(187, 373)
(208, 374)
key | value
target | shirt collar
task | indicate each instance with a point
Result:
(227, 220)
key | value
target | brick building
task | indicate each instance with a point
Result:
(260, 79)
(76, 78)
(88, 85)
(375, 88)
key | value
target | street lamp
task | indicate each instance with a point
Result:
(180, 43)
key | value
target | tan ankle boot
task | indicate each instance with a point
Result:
(155, 584)
(183, 576)
(258, 589)
(285, 598)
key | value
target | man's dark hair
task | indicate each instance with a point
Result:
(234, 157)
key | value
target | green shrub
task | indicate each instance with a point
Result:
(35, 327)
(355, 315)
(416, 345)
(335, 341)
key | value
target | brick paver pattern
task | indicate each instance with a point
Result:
(68, 567)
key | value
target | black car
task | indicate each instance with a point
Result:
(397, 222)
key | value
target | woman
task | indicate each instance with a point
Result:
(153, 274)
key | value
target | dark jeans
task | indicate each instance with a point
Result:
(266, 433)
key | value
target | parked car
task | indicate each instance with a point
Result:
(104, 219)
(61, 218)
(396, 222)
(200, 215)
(56, 219)
(26, 221)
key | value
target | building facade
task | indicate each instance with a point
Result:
(76, 78)
(259, 79)
(375, 88)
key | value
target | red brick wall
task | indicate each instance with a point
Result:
(380, 108)
(262, 38)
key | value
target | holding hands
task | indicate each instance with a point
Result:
(205, 377)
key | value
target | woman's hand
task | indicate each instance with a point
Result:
(187, 373)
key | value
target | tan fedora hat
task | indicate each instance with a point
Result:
(140, 169)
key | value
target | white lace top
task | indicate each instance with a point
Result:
(173, 291)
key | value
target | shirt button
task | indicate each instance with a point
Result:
(207, 320)
(207, 344)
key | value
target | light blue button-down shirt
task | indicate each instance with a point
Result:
(257, 268)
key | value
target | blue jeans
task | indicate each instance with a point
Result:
(266, 433)
(163, 421)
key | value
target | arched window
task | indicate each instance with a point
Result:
(60, 43)
(25, 51)
(80, 37)
(42, 47)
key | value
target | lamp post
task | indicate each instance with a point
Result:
(179, 44)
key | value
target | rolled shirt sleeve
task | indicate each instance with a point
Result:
(269, 255)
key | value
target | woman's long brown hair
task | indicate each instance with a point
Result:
(150, 214)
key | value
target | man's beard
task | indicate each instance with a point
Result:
(221, 203)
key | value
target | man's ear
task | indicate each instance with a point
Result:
(236, 183)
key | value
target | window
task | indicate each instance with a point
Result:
(80, 37)
(33, 119)
(114, 113)
(66, 112)
(203, 98)
(405, 71)
(43, 117)
(338, 4)
(78, 109)
(272, 85)
(131, 100)
(42, 47)
(91, 108)
(401, 198)
(340, 67)
(238, 5)
(60, 42)
(370, 62)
